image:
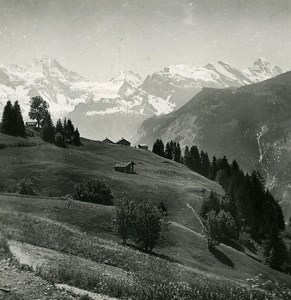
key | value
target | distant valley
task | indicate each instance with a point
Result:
(250, 124)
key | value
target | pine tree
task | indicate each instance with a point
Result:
(158, 147)
(196, 159)
(188, 159)
(65, 127)
(168, 152)
(48, 129)
(205, 163)
(76, 138)
(213, 169)
(19, 128)
(70, 129)
(177, 154)
(59, 127)
(7, 125)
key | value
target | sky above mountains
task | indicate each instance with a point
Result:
(98, 38)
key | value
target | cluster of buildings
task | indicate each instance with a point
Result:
(124, 142)
(127, 166)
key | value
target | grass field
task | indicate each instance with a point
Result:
(65, 233)
(55, 171)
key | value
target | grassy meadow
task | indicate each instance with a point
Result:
(72, 242)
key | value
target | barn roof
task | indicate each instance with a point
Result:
(107, 140)
(122, 140)
(124, 164)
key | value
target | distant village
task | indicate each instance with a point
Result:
(124, 142)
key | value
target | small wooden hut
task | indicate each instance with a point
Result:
(125, 167)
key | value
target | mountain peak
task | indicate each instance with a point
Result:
(262, 70)
(127, 76)
(45, 61)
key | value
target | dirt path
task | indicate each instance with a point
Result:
(24, 285)
(36, 257)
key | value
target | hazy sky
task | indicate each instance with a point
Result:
(97, 38)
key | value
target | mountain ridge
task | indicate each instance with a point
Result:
(250, 124)
(117, 107)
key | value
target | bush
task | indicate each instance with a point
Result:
(94, 191)
(219, 227)
(26, 187)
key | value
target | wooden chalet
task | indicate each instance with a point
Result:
(107, 141)
(123, 142)
(125, 167)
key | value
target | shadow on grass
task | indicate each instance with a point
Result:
(221, 257)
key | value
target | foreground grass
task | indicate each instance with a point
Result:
(149, 277)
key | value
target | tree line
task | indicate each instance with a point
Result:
(248, 212)
(64, 132)
(171, 151)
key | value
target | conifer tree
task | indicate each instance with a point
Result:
(76, 138)
(158, 147)
(70, 129)
(196, 159)
(188, 159)
(177, 154)
(168, 151)
(19, 128)
(59, 127)
(48, 129)
(7, 125)
(65, 127)
(213, 169)
(205, 163)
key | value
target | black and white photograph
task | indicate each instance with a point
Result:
(145, 149)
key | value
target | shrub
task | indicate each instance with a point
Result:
(26, 187)
(94, 191)
(219, 227)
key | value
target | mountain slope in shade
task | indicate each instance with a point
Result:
(117, 107)
(251, 124)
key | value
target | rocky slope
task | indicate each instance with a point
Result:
(117, 107)
(250, 124)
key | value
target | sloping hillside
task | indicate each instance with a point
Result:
(80, 233)
(250, 124)
(55, 171)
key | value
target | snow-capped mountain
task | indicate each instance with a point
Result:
(179, 83)
(262, 70)
(117, 107)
